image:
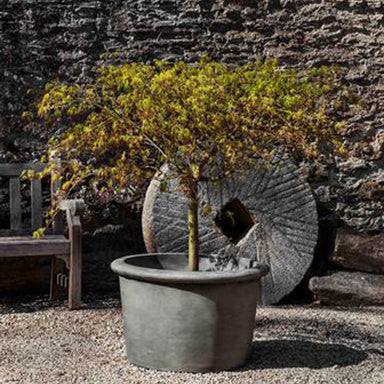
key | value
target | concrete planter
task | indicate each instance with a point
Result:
(186, 321)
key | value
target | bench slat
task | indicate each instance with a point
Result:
(22, 232)
(15, 202)
(27, 246)
(15, 169)
(36, 204)
(58, 246)
(30, 238)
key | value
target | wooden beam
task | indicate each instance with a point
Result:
(22, 232)
(75, 206)
(74, 290)
(58, 224)
(24, 246)
(15, 169)
(11, 232)
(15, 202)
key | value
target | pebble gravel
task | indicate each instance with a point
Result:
(43, 342)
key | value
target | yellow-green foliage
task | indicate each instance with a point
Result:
(196, 118)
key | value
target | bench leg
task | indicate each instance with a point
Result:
(74, 291)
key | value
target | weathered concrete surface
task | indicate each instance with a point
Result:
(349, 288)
(175, 320)
(359, 251)
(283, 233)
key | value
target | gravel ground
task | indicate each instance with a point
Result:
(42, 342)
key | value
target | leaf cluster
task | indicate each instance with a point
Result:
(205, 120)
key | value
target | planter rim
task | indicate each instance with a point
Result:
(124, 269)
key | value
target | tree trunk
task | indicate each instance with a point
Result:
(193, 231)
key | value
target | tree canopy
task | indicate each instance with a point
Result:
(196, 118)
(205, 121)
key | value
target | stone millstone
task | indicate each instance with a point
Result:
(274, 221)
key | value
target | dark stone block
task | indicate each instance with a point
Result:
(349, 288)
(359, 251)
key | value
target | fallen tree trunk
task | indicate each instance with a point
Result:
(346, 288)
(359, 251)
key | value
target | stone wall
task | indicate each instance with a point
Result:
(41, 40)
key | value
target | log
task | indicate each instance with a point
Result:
(273, 220)
(359, 251)
(348, 288)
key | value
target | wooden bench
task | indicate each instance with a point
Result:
(18, 241)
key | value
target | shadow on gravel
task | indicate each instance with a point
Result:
(301, 354)
(31, 304)
(331, 331)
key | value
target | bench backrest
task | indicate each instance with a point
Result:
(13, 172)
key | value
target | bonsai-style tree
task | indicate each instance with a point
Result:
(205, 121)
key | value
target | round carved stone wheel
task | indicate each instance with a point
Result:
(268, 215)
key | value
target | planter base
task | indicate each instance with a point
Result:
(186, 321)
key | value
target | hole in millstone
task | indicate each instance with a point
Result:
(234, 220)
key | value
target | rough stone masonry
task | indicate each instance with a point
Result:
(42, 40)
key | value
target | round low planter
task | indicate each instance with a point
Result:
(186, 321)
